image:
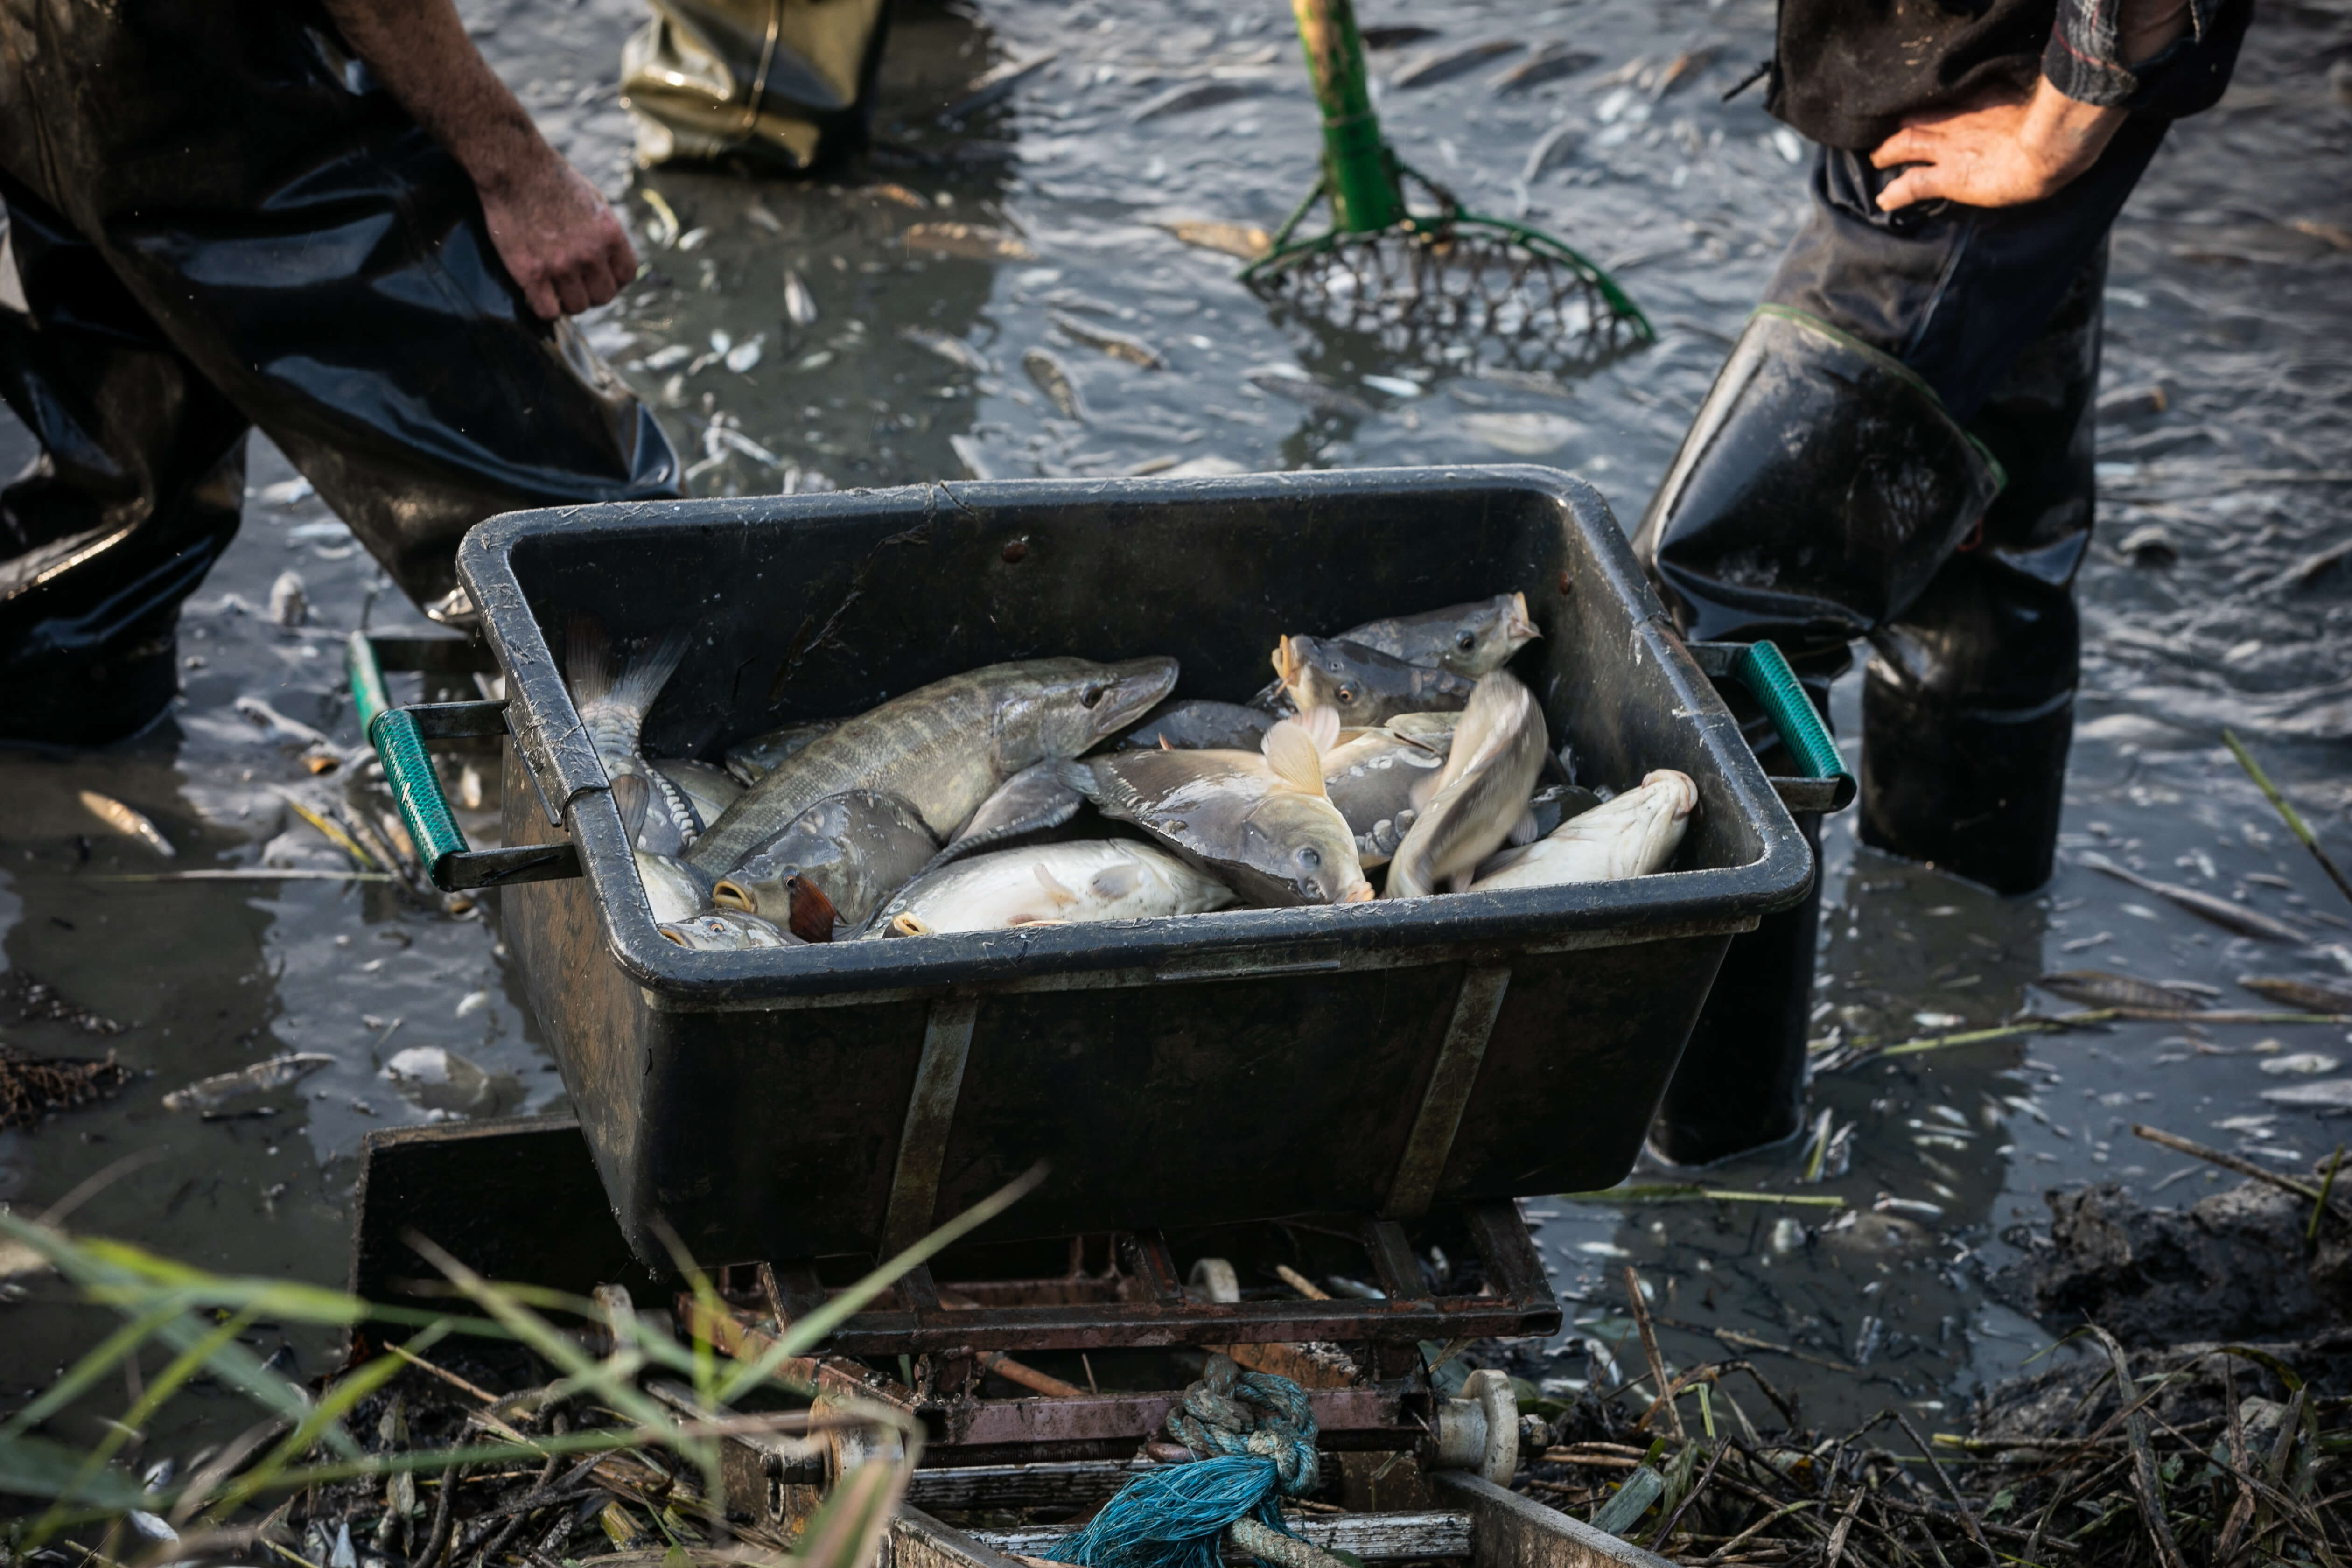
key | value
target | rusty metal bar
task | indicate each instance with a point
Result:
(1393, 1264)
(1154, 1267)
(930, 1112)
(1448, 1095)
(1513, 1266)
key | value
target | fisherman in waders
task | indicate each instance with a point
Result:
(325, 217)
(1900, 446)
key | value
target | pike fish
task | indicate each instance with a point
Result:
(1084, 879)
(2220, 912)
(1259, 821)
(1192, 725)
(1363, 687)
(751, 760)
(859, 846)
(945, 747)
(726, 930)
(613, 710)
(2306, 995)
(1468, 639)
(1482, 796)
(1632, 836)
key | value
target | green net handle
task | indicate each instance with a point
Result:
(1762, 669)
(407, 765)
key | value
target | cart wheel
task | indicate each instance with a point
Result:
(1215, 1278)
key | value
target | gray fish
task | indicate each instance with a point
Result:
(1438, 66)
(1363, 687)
(727, 930)
(1482, 796)
(2099, 988)
(1549, 63)
(2328, 1094)
(1030, 802)
(858, 847)
(1375, 777)
(953, 350)
(751, 760)
(800, 305)
(945, 747)
(1054, 381)
(1119, 345)
(1633, 835)
(1258, 821)
(1191, 96)
(256, 1077)
(1395, 36)
(708, 790)
(1468, 639)
(2307, 995)
(997, 86)
(674, 890)
(1557, 146)
(1084, 879)
(1191, 724)
(1327, 401)
(613, 710)
(2220, 912)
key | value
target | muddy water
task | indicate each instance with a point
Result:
(2231, 289)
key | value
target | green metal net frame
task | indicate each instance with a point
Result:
(1461, 272)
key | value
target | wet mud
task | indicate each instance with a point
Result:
(936, 309)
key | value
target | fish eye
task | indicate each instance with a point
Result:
(1465, 641)
(1346, 693)
(1310, 858)
(1092, 695)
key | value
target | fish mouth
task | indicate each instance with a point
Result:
(1359, 893)
(1517, 625)
(729, 894)
(1287, 661)
(1139, 686)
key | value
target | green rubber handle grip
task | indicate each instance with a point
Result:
(408, 769)
(368, 693)
(1765, 673)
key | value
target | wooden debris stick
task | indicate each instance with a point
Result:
(1650, 1348)
(2247, 1168)
(1666, 1531)
(2287, 813)
(1300, 1283)
(1968, 1516)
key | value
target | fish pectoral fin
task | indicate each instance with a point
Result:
(1055, 887)
(1322, 723)
(1116, 881)
(1295, 758)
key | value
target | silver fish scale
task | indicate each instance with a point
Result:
(613, 730)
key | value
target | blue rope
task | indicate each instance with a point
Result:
(1257, 1432)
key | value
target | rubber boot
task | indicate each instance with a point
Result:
(1967, 703)
(1817, 494)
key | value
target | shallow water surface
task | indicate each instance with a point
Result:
(2231, 291)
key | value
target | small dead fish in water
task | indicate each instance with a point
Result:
(1430, 69)
(1525, 435)
(280, 726)
(1260, 821)
(1683, 67)
(1482, 796)
(2306, 995)
(972, 455)
(754, 758)
(2098, 988)
(1054, 381)
(812, 915)
(1396, 36)
(1468, 639)
(1557, 146)
(1191, 96)
(1327, 401)
(276, 1072)
(1632, 836)
(1549, 63)
(861, 846)
(127, 822)
(969, 240)
(726, 930)
(953, 350)
(997, 85)
(289, 601)
(1086, 880)
(2220, 912)
(1119, 345)
(1192, 724)
(1362, 687)
(2332, 1094)
(800, 305)
(1244, 240)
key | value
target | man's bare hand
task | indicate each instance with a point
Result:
(1997, 153)
(557, 237)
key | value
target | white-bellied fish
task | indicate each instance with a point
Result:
(1259, 821)
(1084, 879)
(945, 747)
(1468, 639)
(1633, 835)
(1481, 797)
(727, 930)
(1192, 724)
(613, 710)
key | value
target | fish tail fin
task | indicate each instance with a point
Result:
(587, 658)
(1295, 759)
(643, 679)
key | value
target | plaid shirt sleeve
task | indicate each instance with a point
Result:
(2083, 60)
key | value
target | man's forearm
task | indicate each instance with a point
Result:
(419, 51)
